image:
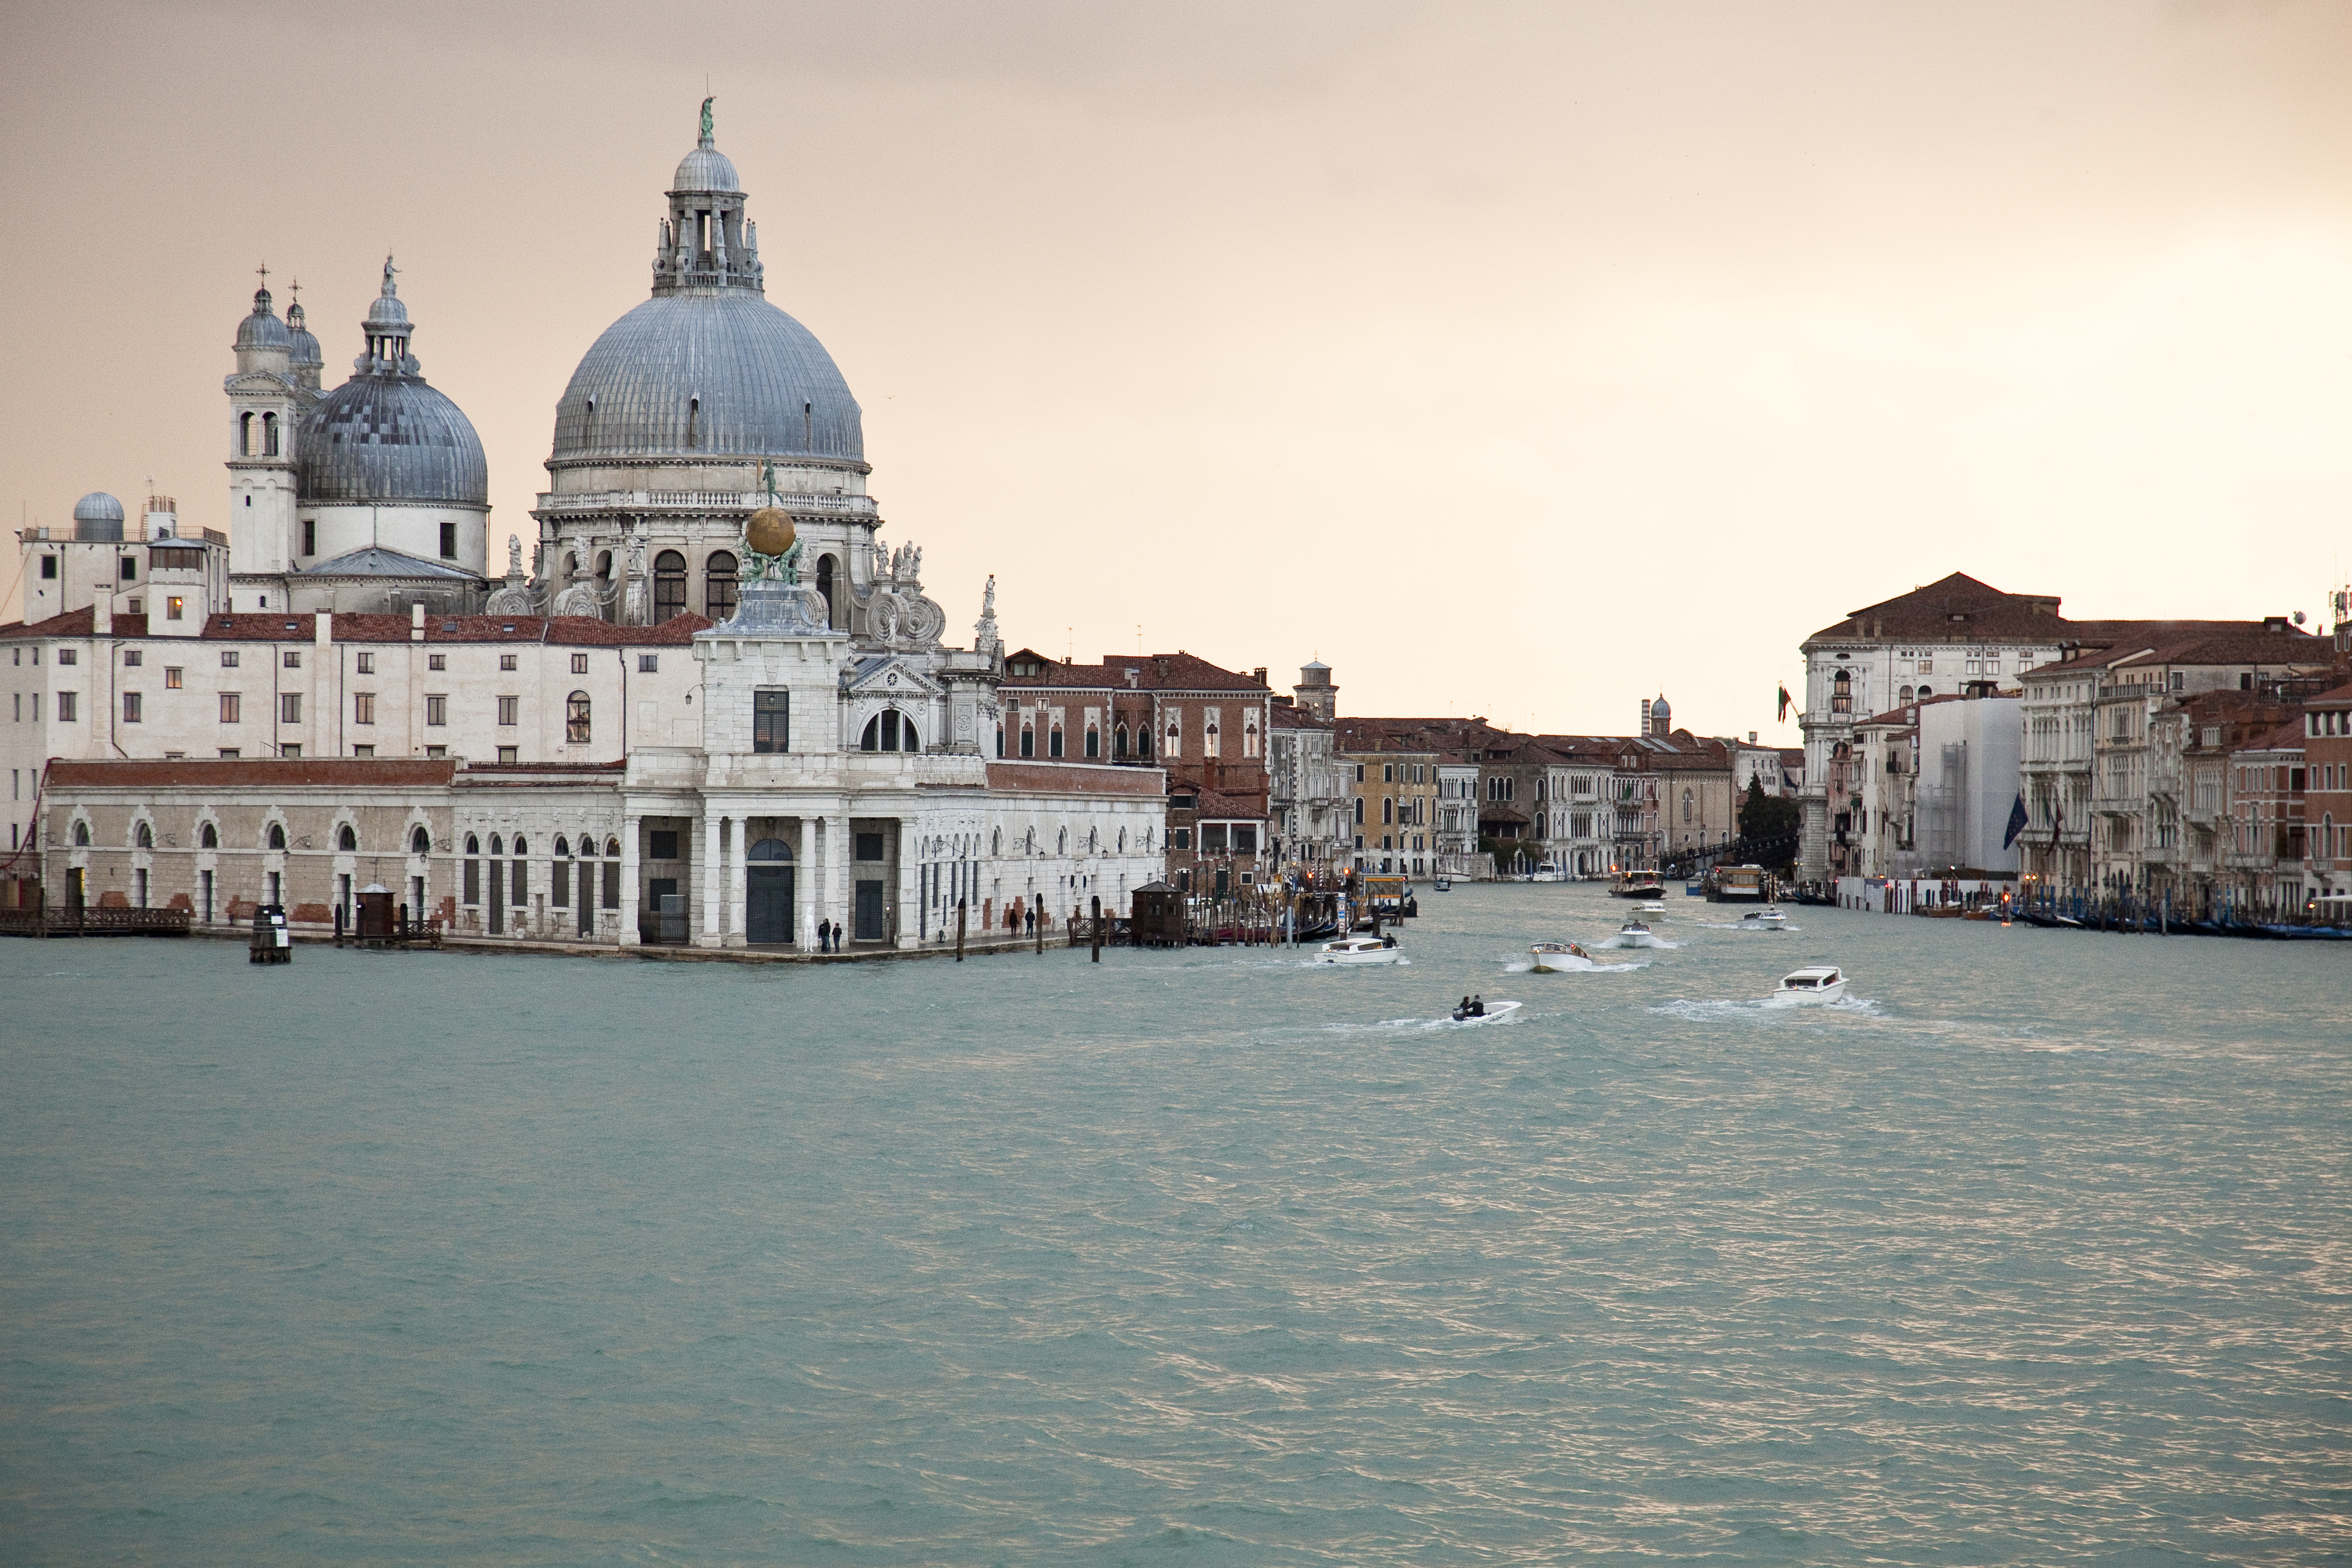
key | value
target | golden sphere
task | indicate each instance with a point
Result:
(770, 531)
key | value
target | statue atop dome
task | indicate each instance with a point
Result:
(705, 119)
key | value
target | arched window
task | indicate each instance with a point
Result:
(245, 435)
(208, 837)
(603, 565)
(1053, 741)
(1028, 740)
(824, 587)
(1841, 693)
(497, 845)
(1118, 740)
(562, 847)
(1686, 805)
(1061, 842)
(269, 434)
(995, 841)
(420, 842)
(82, 835)
(1175, 739)
(588, 845)
(669, 585)
(1926, 692)
(1249, 737)
(575, 719)
(521, 849)
(719, 585)
(612, 848)
(278, 836)
(1905, 698)
(1094, 741)
(1209, 740)
(347, 838)
(890, 731)
(1143, 742)
(473, 844)
(146, 836)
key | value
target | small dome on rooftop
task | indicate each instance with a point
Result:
(706, 169)
(98, 507)
(261, 330)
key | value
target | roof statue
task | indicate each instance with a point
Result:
(390, 288)
(705, 119)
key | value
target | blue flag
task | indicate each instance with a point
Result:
(2017, 821)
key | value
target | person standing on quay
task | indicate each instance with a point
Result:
(824, 936)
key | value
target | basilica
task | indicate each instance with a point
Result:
(715, 709)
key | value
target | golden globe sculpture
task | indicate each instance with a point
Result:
(770, 531)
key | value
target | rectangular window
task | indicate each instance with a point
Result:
(232, 708)
(228, 658)
(436, 752)
(448, 541)
(309, 536)
(579, 664)
(648, 663)
(362, 707)
(289, 749)
(510, 755)
(130, 569)
(131, 707)
(473, 881)
(50, 568)
(611, 898)
(229, 751)
(1213, 838)
(505, 661)
(771, 721)
(661, 843)
(437, 661)
(133, 658)
(1244, 837)
(68, 655)
(66, 707)
(510, 710)
(364, 663)
(293, 658)
(436, 710)
(290, 708)
(869, 846)
(1388, 772)
(363, 751)
(1179, 838)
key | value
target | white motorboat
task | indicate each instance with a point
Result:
(1650, 907)
(1633, 933)
(1814, 983)
(1485, 1012)
(1557, 957)
(1547, 872)
(1442, 884)
(1361, 950)
(1765, 918)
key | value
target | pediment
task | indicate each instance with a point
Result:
(881, 675)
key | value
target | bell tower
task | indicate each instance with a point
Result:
(264, 396)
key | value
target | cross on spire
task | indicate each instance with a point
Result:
(264, 271)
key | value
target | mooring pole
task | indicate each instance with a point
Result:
(1044, 920)
(1097, 905)
(958, 931)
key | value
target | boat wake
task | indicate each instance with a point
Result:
(1569, 964)
(1726, 1008)
(1744, 925)
(1626, 944)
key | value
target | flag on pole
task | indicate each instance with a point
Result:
(2017, 821)
(1783, 712)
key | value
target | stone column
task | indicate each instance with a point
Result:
(632, 830)
(839, 897)
(909, 888)
(739, 876)
(712, 893)
(805, 890)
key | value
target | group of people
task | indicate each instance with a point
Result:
(1471, 1008)
(829, 935)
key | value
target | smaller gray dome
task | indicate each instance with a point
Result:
(302, 348)
(386, 313)
(706, 169)
(383, 437)
(98, 517)
(261, 330)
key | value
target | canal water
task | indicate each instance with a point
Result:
(2034, 1251)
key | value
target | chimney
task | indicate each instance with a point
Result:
(1259, 675)
(1751, 737)
(163, 517)
(323, 631)
(415, 623)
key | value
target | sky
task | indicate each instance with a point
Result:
(1516, 360)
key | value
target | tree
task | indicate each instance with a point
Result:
(1769, 824)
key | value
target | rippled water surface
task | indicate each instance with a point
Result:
(2034, 1252)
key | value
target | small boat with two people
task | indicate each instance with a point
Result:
(1814, 983)
(1769, 917)
(1633, 933)
(1473, 1010)
(1440, 883)
(1361, 950)
(1557, 957)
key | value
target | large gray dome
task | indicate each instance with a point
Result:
(390, 438)
(764, 386)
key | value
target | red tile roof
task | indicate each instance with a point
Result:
(1177, 671)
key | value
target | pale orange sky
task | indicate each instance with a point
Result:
(1519, 360)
